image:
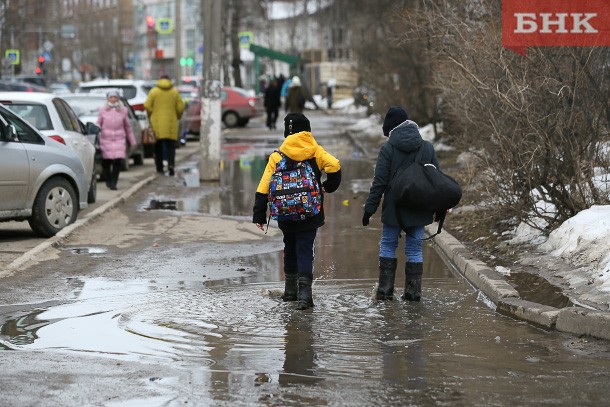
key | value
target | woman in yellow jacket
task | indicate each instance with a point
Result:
(299, 235)
(164, 107)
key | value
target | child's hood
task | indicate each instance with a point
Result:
(300, 146)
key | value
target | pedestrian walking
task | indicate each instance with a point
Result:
(116, 137)
(284, 92)
(401, 148)
(272, 103)
(164, 107)
(299, 146)
(296, 96)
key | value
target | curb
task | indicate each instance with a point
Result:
(575, 320)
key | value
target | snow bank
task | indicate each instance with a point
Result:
(585, 239)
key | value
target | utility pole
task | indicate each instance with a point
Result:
(178, 37)
(209, 165)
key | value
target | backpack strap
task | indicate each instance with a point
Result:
(420, 153)
(441, 220)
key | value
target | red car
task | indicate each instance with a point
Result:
(237, 105)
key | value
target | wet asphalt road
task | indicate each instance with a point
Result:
(172, 298)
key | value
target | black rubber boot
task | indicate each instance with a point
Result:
(304, 295)
(106, 176)
(114, 176)
(387, 274)
(290, 287)
(413, 272)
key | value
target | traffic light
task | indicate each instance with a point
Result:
(150, 21)
(40, 67)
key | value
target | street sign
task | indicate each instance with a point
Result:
(13, 55)
(164, 26)
(245, 39)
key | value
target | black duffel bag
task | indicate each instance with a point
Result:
(423, 187)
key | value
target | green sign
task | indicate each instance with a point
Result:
(245, 39)
(13, 55)
(165, 26)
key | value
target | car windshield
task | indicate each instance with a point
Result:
(128, 91)
(35, 114)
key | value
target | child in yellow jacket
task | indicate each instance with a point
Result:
(299, 236)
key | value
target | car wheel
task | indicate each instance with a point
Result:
(92, 194)
(230, 119)
(138, 159)
(55, 207)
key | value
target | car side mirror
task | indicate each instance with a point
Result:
(9, 133)
(92, 128)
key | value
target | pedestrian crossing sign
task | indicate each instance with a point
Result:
(13, 55)
(164, 26)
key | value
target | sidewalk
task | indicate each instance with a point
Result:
(19, 245)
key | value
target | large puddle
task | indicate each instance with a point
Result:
(244, 345)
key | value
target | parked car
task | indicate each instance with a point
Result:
(87, 106)
(33, 79)
(59, 88)
(41, 180)
(132, 89)
(16, 86)
(52, 116)
(190, 95)
(237, 108)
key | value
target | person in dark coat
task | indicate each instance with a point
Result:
(299, 236)
(272, 103)
(404, 141)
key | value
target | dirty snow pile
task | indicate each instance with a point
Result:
(582, 241)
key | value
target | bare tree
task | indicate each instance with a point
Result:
(392, 63)
(537, 122)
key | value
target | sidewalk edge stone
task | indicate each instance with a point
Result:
(575, 320)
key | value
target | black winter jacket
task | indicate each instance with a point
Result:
(400, 149)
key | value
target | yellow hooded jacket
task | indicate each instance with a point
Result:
(298, 147)
(164, 107)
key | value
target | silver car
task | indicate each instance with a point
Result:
(53, 117)
(41, 180)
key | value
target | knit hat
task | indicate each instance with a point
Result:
(112, 92)
(295, 123)
(395, 116)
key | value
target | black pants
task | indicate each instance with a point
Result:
(272, 117)
(299, 251)
(111, 169)
(165, 148)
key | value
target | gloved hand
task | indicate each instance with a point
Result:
(365, 218)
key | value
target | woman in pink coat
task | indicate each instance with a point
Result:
(115, 132)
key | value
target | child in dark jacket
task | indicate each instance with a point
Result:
(299, 236)
(404, 141)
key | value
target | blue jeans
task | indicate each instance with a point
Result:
(413, 243)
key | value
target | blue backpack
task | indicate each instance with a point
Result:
(294, 191)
